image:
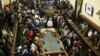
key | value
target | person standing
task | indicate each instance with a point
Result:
(50, 23)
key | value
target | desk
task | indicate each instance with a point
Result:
(51, 43)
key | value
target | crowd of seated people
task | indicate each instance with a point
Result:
(32, 15)
(93, 36)
(6, 39)
(7, 23)
(32, 19)
(71, 40)
(41, 19)
(88, 31)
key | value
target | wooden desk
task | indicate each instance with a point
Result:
(51, 43)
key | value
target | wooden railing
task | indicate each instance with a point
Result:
(14, 39)
(95, 26)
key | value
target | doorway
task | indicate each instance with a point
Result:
(78, 7)
(0, 5)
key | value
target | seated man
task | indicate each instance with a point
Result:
(25, 51)
(30, 34)
(90, 34)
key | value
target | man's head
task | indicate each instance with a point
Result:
(89, 50)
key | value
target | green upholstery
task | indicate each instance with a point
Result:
(50, 42)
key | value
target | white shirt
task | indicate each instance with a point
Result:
(25, 30)
(69, 42)
(75, 36)
(37, 16)
(37, 22)
(50, 23)
(65, 32)
(4, 32)
(33, 47)
(25, 51)
(33, 11)
(29, 21)
(89, 33)
(28, 11)
(70, 35)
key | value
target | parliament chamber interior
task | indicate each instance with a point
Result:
(49, 28)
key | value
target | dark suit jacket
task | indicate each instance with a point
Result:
(89, 54)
